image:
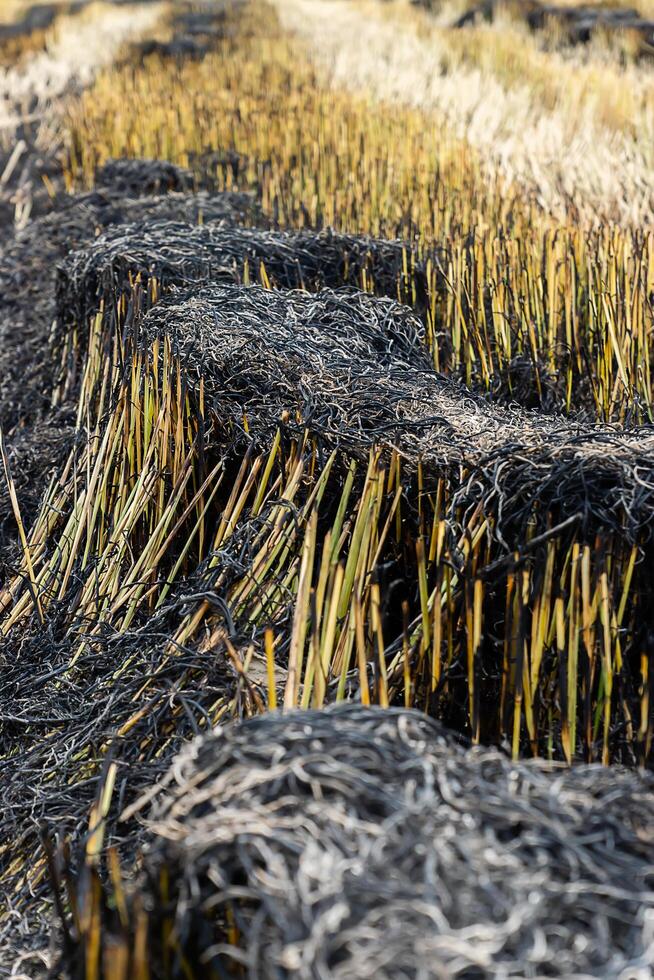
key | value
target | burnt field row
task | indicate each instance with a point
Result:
(325, 538)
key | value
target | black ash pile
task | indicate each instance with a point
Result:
(37, 432)
(34, 455)
(355, 371)
(177, 254)
(576, 24)
(126, 700)
(128, 192)
(353, 843)
(36, 18)
(138, 177)
(195, 31)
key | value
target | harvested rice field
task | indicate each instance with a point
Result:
(326, 490)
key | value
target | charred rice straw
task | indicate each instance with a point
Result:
(354, 843)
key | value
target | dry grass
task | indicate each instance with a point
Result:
(78, 48)
(491, 88)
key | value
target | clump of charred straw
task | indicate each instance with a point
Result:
(355, 371)
(137, 178)
(174, 253)
(429, 418)
(194, 31)
(34, 455)
(28, 264)
(576, 24)
(354, 843)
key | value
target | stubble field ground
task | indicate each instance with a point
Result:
(326, 490)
